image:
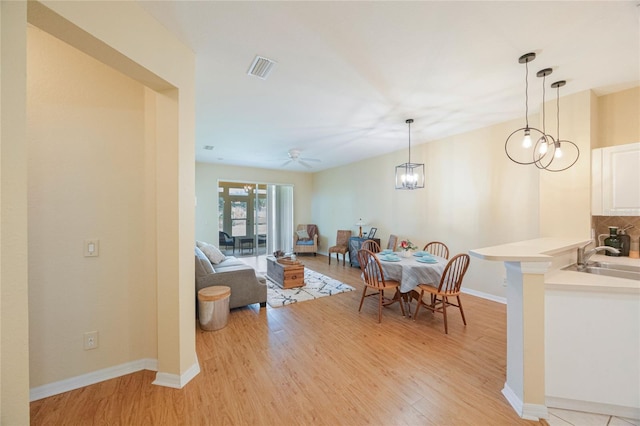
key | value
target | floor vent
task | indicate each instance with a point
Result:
(261, 67)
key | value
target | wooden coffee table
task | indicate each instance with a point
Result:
(285, 272)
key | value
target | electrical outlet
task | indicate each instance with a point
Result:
(90, 340)
(91, 248)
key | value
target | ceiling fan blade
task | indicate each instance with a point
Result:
(308, 166)
(315, 160)
(285, 163)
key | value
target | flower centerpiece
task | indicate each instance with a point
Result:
(406, 246)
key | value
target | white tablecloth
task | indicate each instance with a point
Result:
(409, 272)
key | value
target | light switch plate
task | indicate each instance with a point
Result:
(91, 248)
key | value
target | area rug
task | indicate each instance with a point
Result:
(315, 286)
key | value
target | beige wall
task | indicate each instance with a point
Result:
(208, 175)
(14, 321)
(144, 50)
(474, 197)
(618, 118)
(88, 179)
(565, 197)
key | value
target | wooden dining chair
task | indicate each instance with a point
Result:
(372, 246)
(393, 242)
(437, 248)
(449, 287)
(374, 279)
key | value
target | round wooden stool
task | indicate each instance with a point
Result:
(213, 307)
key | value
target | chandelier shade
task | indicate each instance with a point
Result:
(410, 175)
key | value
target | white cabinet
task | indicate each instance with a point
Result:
(615, 175)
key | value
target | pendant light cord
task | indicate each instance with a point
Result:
(526, 95)
(558, 113)
(409, 142)
(544, 121)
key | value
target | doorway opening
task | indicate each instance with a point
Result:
(256, 217)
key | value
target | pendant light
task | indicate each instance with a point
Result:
(519, 145)
(566, 153)
(544, 148)
(410, 175)
(554, 155)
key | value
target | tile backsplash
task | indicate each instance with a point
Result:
(601, 225)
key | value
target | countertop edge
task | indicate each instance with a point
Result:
(573, 280)
(537, 250)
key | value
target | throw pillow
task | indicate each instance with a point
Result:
(303, 234)
(212, 252)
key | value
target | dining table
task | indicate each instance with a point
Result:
(409, 271)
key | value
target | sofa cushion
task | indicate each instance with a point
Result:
(228, 262)
(211, 251)
(304, 243)
(203, 264)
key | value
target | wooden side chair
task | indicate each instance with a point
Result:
(393, 242)
(449, 287)
(374, 279)
(342, 246)
(437, 248)
(372, 246)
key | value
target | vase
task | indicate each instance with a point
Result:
(405, 253)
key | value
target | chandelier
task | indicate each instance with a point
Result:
(410, 175)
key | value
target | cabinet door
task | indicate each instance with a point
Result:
(621, 180)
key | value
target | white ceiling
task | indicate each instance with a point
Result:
(349, 74)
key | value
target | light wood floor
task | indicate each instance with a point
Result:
(319, 362)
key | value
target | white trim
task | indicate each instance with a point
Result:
(534, 412)
(177, 381)
(512, 398)
(94, 377)
(483, 295)
(593, 407)
(526, 411)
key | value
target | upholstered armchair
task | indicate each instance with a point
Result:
(342, 245)
(226, 240)
(305, 239)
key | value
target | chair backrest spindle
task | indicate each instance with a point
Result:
(453, 274)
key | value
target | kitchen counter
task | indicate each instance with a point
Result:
(572, 337)
(537, 250)
(558, 278)
(592, 341)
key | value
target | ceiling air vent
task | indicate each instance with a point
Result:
(261, 67)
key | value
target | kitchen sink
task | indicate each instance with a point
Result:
(616, 270)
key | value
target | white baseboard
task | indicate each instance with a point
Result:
(177, 381)
(594, 407)
(483, 295)
(94, 377)
(526, 411)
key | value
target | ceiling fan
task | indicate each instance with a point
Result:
(294, 156)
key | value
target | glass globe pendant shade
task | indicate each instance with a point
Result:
(526, 141)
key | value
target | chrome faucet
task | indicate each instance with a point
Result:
(583, 257)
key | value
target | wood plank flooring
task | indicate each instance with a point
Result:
(319, 362)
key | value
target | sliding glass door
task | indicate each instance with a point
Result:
(258, 216)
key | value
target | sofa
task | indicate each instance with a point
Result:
(305, 239)
(247, 286)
